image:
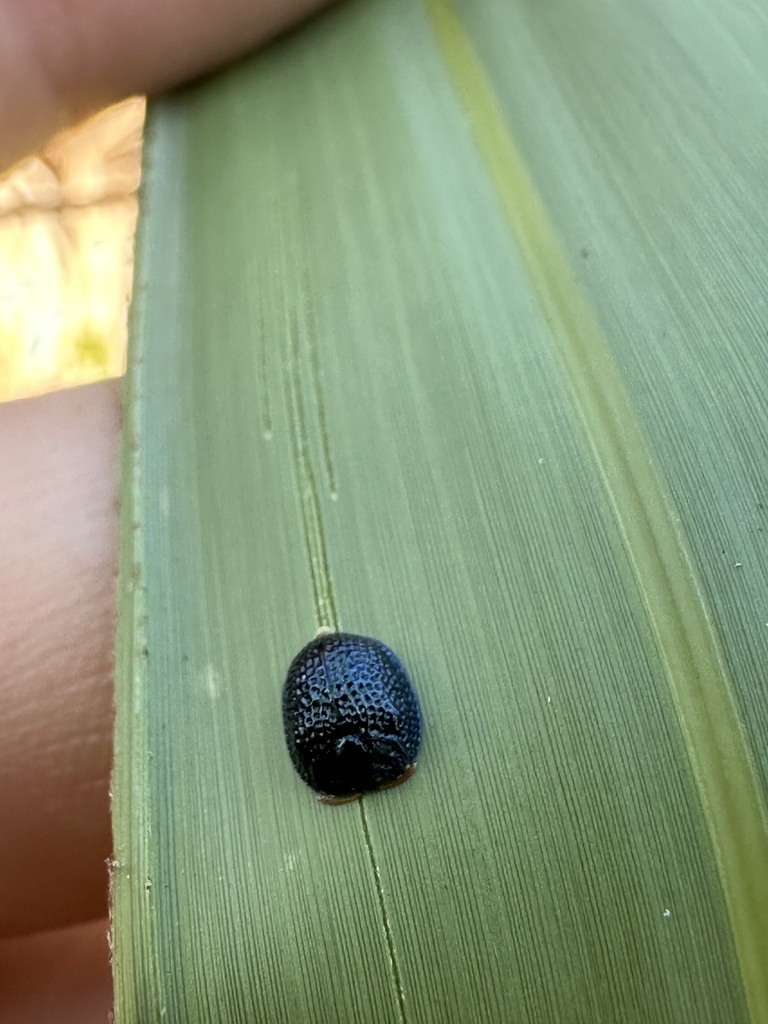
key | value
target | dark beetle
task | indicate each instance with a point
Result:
(351, 718)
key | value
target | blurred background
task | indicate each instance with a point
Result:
(67, 220)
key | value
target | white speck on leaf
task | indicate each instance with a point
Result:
(212, 682)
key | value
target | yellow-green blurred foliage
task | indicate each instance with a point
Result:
(67, 219)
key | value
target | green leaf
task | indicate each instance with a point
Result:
(448, 329)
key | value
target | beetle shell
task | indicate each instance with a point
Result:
(351, 717)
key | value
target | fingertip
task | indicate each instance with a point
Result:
(57, 977)
(59, 459)
(64, 60)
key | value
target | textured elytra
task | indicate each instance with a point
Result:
(351, 717)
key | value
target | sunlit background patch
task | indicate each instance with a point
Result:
(67, 220)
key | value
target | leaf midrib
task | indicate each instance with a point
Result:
(656, 545)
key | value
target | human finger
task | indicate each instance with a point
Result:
(58, 521)
(61, 61)
(58, 977)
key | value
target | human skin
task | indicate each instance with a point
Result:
(58, 514)
(59, 61)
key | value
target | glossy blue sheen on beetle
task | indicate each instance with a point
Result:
(351, 717)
